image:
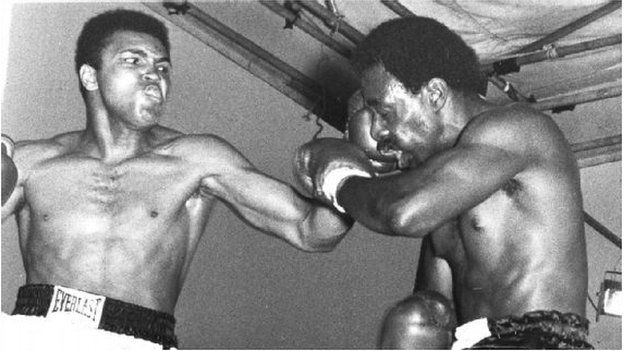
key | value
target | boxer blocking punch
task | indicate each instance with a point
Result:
(493, 192)
(109, 217)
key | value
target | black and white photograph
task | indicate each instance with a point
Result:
(311, 174)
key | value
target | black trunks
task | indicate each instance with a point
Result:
(537, 330)
(107, 314)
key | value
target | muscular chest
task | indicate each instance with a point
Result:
(74, 184)
(479, 231)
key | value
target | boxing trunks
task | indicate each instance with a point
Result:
(89, 311)
(533, 330)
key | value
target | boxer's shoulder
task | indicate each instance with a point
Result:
(38, 150)
(190, 142)
(515, 127)
(198, 147)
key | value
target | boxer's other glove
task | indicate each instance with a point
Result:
(323, 165)
(358, 131)
(9, 171)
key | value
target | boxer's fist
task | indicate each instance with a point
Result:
(425, 320)
(358, 131)
(322, 165)
(9, 171)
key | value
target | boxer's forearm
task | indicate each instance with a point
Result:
(361, 206)
(376, 204)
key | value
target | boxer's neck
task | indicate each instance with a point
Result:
(112, 141)
(458, 111)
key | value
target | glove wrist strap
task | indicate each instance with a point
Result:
(334, 180)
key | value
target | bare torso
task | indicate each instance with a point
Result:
(126, 230)
(523, 248)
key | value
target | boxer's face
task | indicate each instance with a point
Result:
(404, 123)
(134, 78)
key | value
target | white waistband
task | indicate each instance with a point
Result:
(470, 333)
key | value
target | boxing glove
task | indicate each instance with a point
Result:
(424, 320)
(9, 171)
(358, 132)
(322, 165)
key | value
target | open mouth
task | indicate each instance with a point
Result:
(390, 152)
(153, 92)
(386, 148)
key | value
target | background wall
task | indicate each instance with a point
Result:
(244, 289)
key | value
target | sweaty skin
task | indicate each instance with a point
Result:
(118, 208)
(494, 191)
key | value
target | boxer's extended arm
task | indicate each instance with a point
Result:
(269, 204)
(416, 202)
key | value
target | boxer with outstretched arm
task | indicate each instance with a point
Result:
(109, 217)
(494, 191)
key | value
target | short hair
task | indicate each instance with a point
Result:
(417, 49)
(97, 31)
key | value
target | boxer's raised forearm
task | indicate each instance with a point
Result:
(361, 201)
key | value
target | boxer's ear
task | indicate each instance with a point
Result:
(437, 92)
(88, 77)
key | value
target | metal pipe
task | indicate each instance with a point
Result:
(522, 60)
(332, 21)
(597, 143)
(307, 27)
(602, 230)
(579, 23)
(579, 98)
(397, 7)
(599, 155)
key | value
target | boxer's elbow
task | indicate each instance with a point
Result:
(320, 233)
(406, 219)
(321, 240)
(318, 244)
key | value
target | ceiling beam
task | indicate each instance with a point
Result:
(398, 8)
(259, 62)
(573, 26)
(602, 230)
(513, 64)
(598, 151)
(578, 98)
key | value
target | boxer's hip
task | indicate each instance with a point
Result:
(533, 330)
(95, 311)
